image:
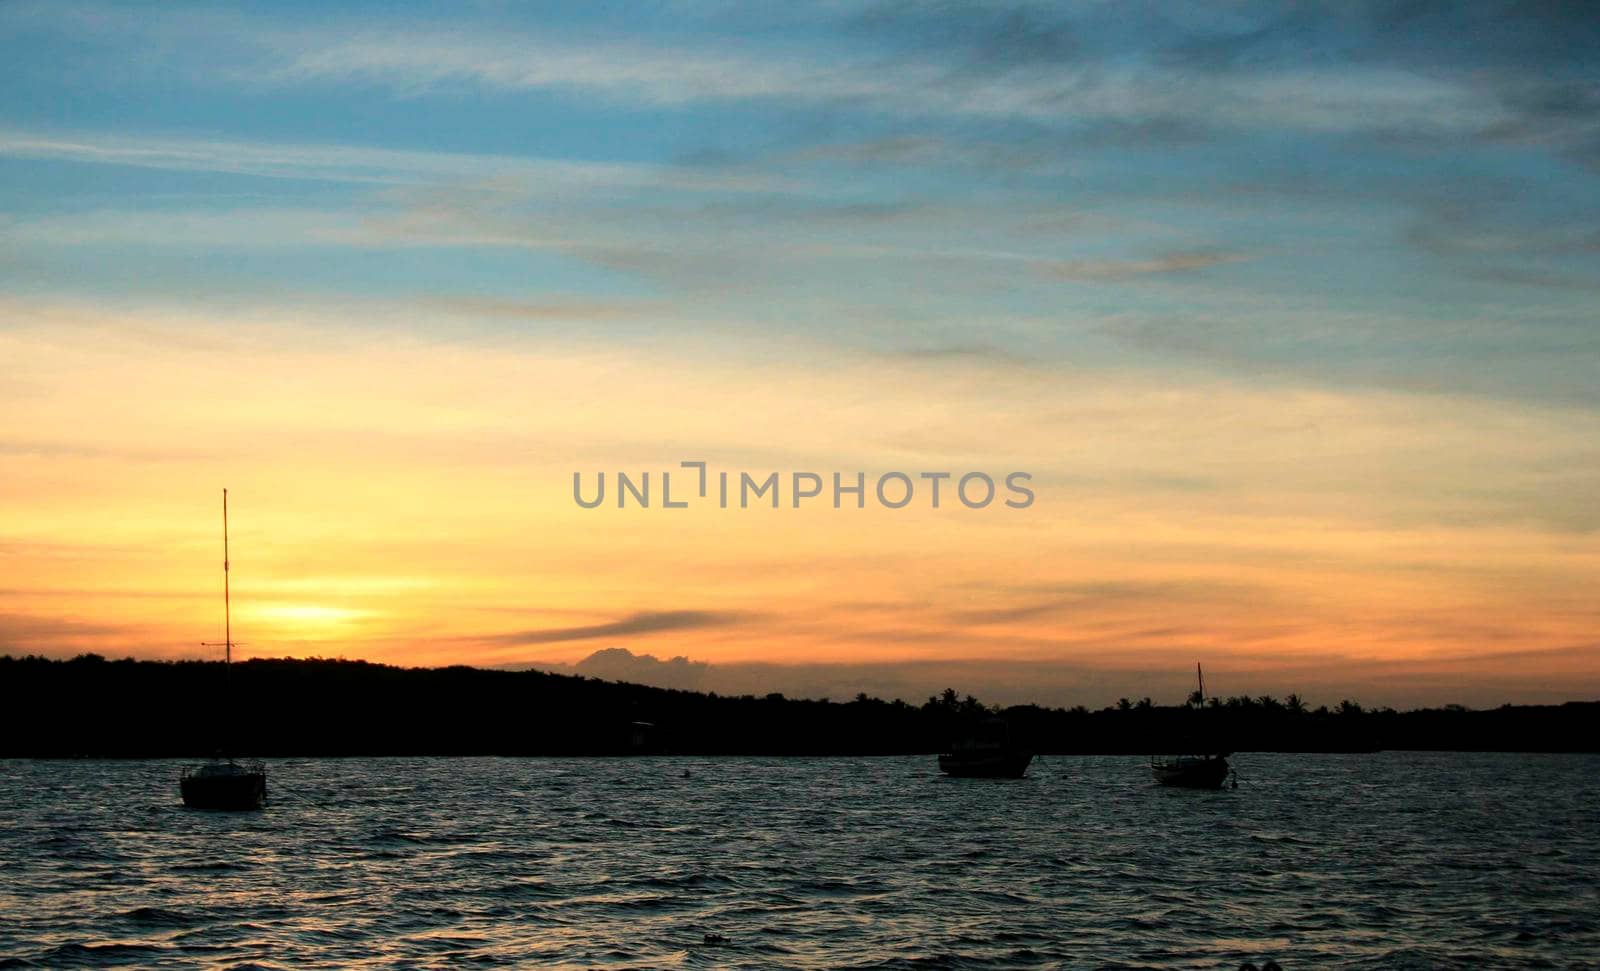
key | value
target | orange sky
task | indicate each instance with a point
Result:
(409, 500)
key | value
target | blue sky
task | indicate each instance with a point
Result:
(1398, 194)
(1267, 264)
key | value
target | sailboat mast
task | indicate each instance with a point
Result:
(227, 606)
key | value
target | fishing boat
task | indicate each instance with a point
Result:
(224, 782)
(1206, 771)
(986, 754)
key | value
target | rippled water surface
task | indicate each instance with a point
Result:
(1388, 860)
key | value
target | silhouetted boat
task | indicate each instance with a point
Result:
(986, 754)
(224, 783)
(1193, 771)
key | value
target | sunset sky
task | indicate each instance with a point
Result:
(1290, 311)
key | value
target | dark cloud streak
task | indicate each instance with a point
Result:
(643, 622)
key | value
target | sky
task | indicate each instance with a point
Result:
(1288, 311)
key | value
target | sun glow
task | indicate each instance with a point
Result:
(304, 616)
(413, 504)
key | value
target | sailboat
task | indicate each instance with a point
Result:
(1208, 771)
(223, 782)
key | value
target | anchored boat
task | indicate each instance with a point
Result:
(1192, 771)
(986, 754)
(1208, 771)
(224, 783)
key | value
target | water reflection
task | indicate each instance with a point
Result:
(1316, 861)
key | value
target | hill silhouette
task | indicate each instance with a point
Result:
(91, 706)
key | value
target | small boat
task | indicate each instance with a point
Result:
(1193, 771)
(986, 754)
(224, 783)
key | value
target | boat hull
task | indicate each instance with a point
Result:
(1192, 773)
(244, 791)
(997, 765)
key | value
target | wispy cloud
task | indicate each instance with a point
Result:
(554, 310)
(1013, 63)
(1104, 270)
(25, 633)
(1063, 91)
(1087, 598)
(364, 164)
(643, 622)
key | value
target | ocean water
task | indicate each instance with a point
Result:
(1381, 861)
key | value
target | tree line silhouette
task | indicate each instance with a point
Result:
(93, 707)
